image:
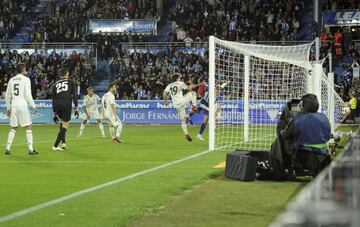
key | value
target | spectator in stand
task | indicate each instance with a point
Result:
(340, 4)
(238, 21)
(43, 69)
(12, 17)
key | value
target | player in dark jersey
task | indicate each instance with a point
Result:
(64, 92)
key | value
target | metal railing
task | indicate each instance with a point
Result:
(149, 45)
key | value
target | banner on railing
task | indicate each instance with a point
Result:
(156, 112)
(338, 18)
(133, 26)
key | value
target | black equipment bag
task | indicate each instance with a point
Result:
(241, 166)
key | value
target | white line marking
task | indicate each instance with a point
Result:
(49, 141)
(80, 162)
(107, 184)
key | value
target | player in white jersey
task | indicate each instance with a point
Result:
(18, 99)
(108, 111)
(90, 105)
(180, 102)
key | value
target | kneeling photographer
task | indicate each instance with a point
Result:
(301, 144)
(311, 131)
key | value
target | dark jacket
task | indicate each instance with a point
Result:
(312, 130)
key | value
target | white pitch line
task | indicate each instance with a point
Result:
(91, 189)
(49, 141)
(79, 162)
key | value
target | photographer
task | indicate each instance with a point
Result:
(311, 130)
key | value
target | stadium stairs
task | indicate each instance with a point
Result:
(31, 18)
(101, 78)
(165, 24)
(305, 32)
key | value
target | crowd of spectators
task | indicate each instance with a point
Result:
(341, 42)
(335, 5)
(143, 75)
(43, 70)
(12, 16)
(67, 21)
(259, 20)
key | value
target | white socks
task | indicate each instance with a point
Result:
(184, 128)
(112, 132)
(10, 138)
(118, 130)
(82, 127)
(101, 127)
(29, 138)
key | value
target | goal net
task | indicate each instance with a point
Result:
(249, 85)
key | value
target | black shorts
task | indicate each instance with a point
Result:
(63, 110)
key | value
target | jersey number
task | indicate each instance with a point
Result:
(60, 87)
(16, 89)
(105, 105)
(174, 90)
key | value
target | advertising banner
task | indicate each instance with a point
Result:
(156, 112)
(338, 18)
(133, 26)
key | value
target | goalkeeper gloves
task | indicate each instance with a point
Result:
(166, 102)
(56, 118)
(35, 111)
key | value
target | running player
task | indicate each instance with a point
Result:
(64, 92)
(108, 111)
(180, 101)
(91, 111)
(18, 99)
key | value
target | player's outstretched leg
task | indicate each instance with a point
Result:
(101, 127)
(82, 127)
(10, 139)
(189, 119)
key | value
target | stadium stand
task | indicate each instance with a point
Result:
(143, 75)
(248, 20)
(12, 17)
(340, 4)
(43, 69)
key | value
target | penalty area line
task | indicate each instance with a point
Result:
(94, 188)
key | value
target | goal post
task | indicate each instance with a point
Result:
(250, 83)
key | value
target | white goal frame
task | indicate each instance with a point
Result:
(314, 82)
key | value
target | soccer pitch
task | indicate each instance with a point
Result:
(148, 150)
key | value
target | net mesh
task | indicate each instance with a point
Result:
(276, 75)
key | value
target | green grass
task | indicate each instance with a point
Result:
(27, 181)
(30, 180)
(224, 202)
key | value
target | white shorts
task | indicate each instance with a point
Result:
(20, 116)
(113, 121)
(181, 106)
(95, 115)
